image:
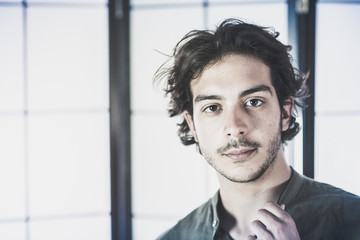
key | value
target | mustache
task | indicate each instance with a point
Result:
(241, 142)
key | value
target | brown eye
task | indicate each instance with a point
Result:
(254, 102)
(211, 108)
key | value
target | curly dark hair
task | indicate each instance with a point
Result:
(201, 48)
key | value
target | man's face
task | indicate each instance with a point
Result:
(237, 120)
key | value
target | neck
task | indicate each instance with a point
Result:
(241, 201)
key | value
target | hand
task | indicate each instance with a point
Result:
(272, 222)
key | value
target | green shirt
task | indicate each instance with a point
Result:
(319, 210)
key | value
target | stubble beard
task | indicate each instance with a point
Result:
(272, 152)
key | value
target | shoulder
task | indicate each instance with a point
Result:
(323, 211)
(343, 205)
(304, 189)
(317, 191)
(196, 224)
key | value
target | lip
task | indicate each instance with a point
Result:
(240, 155)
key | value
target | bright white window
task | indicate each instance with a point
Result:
(68, 164)
(54, 120)
(12, 168)
(85, 227)
(11, 59)
(67, 59)
(337, 103)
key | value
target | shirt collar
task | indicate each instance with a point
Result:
(215, 218)
(292, 189)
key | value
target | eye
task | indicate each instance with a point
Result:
(254, 102)
(211, 108)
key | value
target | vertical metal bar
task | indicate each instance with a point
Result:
(305, 24)
(26, 115)
(301, 18)
(120, 119)
(292, 27)
(292, 40)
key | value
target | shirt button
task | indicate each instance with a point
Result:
(214, 223)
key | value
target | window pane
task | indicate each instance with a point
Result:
(167, 2)
(11, 61)
(12, 167)
(145, 227)
(89, 228)
(13, 231)
(12, 1)
(66, 1)
(336, 155)
(68, 164)
(68, 58)
(337, 57)
(337, 124)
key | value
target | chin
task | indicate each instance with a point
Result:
(247, 175)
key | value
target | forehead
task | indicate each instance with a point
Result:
(233, 72)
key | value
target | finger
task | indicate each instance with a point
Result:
(269, 220)
(278, 227)
(260, 230)
(276, 210)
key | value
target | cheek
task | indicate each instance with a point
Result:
(202, 130)
(266, 127)
(206, 131)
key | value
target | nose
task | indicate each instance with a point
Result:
(236, 123)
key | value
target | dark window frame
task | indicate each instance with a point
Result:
(119, 54)
(301, 18)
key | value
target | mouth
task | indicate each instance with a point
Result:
(240, 155)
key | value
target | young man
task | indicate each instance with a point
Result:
(237, 91)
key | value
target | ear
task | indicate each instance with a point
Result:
(286, 113)
(191, 124)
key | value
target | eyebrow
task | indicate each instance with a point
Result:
(208, 97)
(260, 88)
